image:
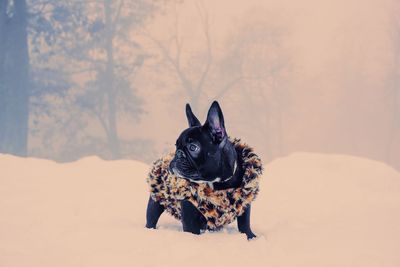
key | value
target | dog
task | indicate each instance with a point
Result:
(205, 183)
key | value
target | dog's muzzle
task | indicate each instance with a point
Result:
(181, 166)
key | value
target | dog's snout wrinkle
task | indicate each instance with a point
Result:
(180, 154)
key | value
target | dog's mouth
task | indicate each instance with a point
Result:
(182, 169)
(195, 179)
(191, 176)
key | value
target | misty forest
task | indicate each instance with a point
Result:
(111, 77)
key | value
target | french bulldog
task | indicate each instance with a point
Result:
(204, 154)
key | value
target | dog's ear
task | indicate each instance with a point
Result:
(192, 120)
(215, 123)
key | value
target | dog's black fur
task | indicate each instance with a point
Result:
(204, 154)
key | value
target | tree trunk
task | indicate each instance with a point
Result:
(3, 16)
(14, 80)
(3, 100)
(113, 139)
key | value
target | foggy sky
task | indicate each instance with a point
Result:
(339, 56)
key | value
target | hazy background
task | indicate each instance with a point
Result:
(111, 77)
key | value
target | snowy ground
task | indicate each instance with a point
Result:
(313, 210)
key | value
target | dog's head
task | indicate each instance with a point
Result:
(204, 152)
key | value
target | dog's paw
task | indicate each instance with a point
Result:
(251, 236)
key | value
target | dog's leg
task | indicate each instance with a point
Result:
(154, 211)
(192, 220)
(244, 223)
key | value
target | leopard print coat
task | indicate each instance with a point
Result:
(219, 207)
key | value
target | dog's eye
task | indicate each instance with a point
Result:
(193, 147)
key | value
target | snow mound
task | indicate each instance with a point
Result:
(313, 210)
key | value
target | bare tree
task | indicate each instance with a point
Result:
(91, 46)
(194, 78)
(109, 86)
(257, 55)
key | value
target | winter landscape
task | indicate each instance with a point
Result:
(93, 92)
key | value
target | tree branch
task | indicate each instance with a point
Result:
(176, 65)
(114, 22)
(227, 87)
(203, 14)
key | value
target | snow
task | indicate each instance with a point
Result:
(313, 210)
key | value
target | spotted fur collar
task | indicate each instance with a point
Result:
(219, 207)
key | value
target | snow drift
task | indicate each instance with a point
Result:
(313, 210)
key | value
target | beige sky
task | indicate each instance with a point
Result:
(328, 41)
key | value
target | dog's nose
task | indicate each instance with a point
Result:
(180, 154)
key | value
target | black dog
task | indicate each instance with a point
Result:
(204, 155)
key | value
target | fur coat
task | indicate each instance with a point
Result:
(219, 207)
